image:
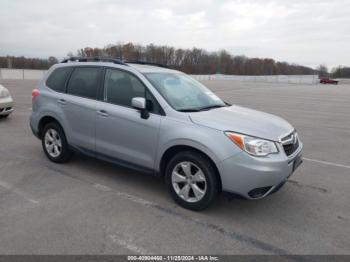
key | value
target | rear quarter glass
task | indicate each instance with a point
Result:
(58, 79)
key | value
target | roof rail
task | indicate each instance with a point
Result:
(146, 63)
(94, 59)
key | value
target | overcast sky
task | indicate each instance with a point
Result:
(307, 32)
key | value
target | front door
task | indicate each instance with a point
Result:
(121, 133)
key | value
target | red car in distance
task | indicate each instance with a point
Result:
(325, 80)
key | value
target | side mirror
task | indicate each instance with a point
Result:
(140, 104)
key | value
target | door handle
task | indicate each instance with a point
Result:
(62, 101)
(102, 113)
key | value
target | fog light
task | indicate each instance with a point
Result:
(259, 192)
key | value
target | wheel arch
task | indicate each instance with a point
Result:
(175, 149)
(44, 121)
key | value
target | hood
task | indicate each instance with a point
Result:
(243, 120)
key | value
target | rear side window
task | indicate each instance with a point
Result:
(84, 82)
(58, 78)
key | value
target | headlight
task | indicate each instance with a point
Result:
(253, 145)
(4, 93)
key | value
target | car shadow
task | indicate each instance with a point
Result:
(153, 189)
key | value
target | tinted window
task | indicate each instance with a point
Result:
(84, 82)
(120, 87)
(57, 79)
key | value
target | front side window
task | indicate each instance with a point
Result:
(58, 78)
(184, 93)
(84, 82)
(120, 87)
(153, 105)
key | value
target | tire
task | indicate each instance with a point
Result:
(59, 152)
(198, 194)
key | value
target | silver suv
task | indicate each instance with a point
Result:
(164, 123)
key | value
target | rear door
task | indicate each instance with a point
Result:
(80, 107)
(121, 134)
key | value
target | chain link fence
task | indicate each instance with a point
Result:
(21, 74)
(292, 79)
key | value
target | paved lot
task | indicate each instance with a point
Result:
(91, 207)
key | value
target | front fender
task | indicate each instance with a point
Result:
(211, 142)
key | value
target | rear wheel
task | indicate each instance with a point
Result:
(55, 144)
(192, 180)
(4, 116)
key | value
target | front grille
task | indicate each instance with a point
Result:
(290, 143)
(291, 148)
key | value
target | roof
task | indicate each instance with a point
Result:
(150, 68)
(140, 66)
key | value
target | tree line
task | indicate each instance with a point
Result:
(22, 62)
(341, 72)
(191, 61)
(196, 60)
(336, 72)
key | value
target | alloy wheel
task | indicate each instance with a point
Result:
(53, 143)
(189, 181)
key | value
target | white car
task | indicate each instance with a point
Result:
(6, 102)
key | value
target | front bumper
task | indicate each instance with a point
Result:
(257, 177)
(6, 106)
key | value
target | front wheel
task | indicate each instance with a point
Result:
(55, 144)
(192, 180)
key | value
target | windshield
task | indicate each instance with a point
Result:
(184, 93)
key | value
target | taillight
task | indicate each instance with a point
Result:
(35, 94)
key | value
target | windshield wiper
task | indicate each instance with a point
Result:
(210, 107)
(188, 110)
(201, 108)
